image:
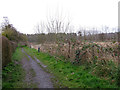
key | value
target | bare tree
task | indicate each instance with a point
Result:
(40, 28)
(55, 25)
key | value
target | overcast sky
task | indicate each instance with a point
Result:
(26, 14)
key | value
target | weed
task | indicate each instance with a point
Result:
(13, 74)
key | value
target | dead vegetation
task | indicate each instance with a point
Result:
(98, 50)
(101, 57)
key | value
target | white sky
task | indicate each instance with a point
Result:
(25, 14)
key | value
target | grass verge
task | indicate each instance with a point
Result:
(68, 75)
(13, 74)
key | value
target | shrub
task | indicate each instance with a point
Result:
(8, 48)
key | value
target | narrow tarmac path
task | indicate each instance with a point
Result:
(34, 73)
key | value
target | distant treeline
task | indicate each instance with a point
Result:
(63, 37)
(51, 37)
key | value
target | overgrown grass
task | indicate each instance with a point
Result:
(69, 75)
(13, 74)
(12, 77)
(18, 55)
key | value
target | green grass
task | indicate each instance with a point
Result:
(68, 75)
(18, 55)
(13, 74)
